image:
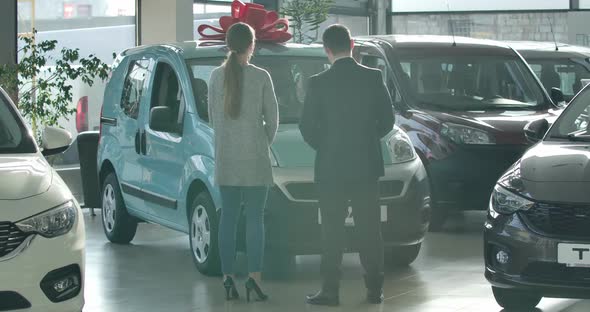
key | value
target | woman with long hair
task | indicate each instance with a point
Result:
(243, 112)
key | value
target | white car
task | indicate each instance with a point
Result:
(42, 236)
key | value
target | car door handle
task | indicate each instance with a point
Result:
(137, 142)
(143, 143)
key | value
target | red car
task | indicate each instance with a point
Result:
(464, 103)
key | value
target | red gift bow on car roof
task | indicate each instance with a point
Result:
(267, 24)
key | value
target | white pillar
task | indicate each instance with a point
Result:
(165, 21)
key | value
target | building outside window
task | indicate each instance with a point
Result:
(460, 27)
(583, 39)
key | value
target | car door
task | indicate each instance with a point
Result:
(133, 98)
(163, 159)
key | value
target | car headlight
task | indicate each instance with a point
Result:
(400, 148)
(54, 222)
(465, 135)
(505, 202)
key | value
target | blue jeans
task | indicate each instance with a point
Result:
(254, 202)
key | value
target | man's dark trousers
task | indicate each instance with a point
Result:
(335, 198)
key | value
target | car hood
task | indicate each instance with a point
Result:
(507, 127)
(552, 172)
(557, 162)
(290, 150)
(24, 176)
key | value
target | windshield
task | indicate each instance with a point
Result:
(574, 122)
(450, 81)
(563, 73)
(14, 137)
(290, 75)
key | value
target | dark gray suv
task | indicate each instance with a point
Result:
(537, 235)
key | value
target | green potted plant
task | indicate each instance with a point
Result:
(44, 91)
(305, 18)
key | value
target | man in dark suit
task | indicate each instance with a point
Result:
(347, 111)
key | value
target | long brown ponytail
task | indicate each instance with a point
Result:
(239, 39)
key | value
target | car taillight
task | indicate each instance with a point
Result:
(82, 114)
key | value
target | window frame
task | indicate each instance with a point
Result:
(182, 106)
(132, 62)
(398, 99)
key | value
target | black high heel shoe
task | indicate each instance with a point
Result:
(231, 292)
(251, 285)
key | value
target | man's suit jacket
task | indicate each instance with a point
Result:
(347, 111)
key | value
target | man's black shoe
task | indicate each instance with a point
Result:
(323, 298)
(375, 296)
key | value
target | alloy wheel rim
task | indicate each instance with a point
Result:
(109, 204)
(200, 234)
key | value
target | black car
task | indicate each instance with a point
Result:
(562, 66)
(537, 234)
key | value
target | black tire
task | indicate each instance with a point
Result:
(402, 256)
(438, 219)
(203, 225)
(119, 227)
(516, 299)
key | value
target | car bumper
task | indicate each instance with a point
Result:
(292, 220)
(533, 262)
(23, 273)
(464, 178)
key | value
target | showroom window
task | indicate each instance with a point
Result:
(81, 24)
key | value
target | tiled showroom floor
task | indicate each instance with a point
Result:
(156, 273)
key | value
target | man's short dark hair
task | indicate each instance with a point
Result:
(337, 39)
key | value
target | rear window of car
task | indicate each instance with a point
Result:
(14, 136)
(290, 77)
(563, 73)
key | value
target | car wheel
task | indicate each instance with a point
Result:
(402, 255)
(516, 299)
(438, 219)
(119, 227)
(203, 235)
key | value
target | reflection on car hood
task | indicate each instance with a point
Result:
(553, 172)
(506, 126)
(557, 162)
(291, 151)
(289, 148)
(23, 176)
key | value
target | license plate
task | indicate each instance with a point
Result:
(349, 221)
(573, 255)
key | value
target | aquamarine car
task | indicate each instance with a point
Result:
(156, 164)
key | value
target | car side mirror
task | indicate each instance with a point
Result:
(161, 120)
(536, 130)
(55, 140)
(557, 96)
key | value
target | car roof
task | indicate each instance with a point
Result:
(432, 41)
(546, 49)
(208, 49)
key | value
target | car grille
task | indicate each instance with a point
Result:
(545, 271)
(10, 301)
(10, 238)
(572, 221)
(307, 191)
